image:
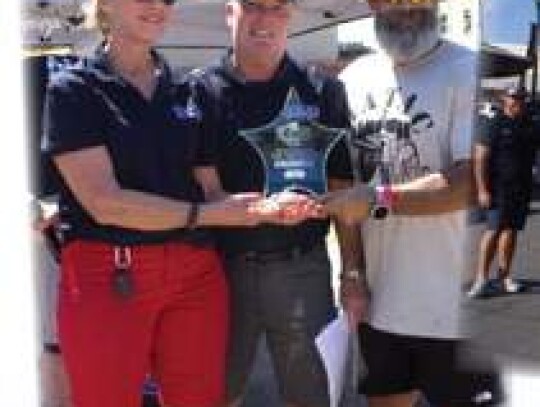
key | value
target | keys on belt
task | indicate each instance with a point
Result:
(122, 277)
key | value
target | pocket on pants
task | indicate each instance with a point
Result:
(86, 267)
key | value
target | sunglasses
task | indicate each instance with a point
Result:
(397, 20)
(166, 2)
(252, 6)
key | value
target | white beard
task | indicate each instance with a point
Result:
(409, 43)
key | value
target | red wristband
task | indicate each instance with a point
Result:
(386, 195)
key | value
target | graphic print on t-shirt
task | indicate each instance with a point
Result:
(386, 135)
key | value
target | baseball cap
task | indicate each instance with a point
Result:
(265, 2)
(376, 4)
(515, 92)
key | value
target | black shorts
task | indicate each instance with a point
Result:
(399, 364)
(507, 217)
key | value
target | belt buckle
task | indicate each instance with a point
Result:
(250, 255)
(297, 252)
(280, 255)
(276, 255)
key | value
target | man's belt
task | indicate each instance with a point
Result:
(265, 256)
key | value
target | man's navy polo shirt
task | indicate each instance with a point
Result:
(243, 105)
(512, 144)
(153, 144)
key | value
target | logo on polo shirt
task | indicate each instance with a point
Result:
(296, 110)
(190, 111)
(59, 63)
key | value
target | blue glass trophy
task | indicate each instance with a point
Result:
(294, 148)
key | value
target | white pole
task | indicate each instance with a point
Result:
(18, 356)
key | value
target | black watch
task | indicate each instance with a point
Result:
(379, 211)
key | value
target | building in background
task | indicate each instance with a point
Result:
(460, 20)
(509, 45)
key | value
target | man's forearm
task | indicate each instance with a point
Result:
(481, 154)
(351, 249)
(349, 238)
(208, 179)
(436, 193)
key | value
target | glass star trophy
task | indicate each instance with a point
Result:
(294, 148)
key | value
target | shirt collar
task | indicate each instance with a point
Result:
(102, 64)
(283, 71)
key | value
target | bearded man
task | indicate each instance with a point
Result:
(413, 106)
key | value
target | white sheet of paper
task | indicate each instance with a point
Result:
(333, 343)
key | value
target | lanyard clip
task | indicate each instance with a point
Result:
(122, 257)
(122, 279)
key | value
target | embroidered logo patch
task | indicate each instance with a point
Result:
(190, 111)
(294, 109)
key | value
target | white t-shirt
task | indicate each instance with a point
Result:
(414, 120)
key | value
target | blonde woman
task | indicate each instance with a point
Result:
(142, 290)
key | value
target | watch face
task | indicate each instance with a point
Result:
(380, 212)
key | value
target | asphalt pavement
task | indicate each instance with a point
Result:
(508, 326)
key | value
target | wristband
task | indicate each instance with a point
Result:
(351, 275)
(192, 216)
(385, 195)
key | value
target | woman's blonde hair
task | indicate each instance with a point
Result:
(97, 18)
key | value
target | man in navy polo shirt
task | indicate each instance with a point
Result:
(280, 276)
(504, 156)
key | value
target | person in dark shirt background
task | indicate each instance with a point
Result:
(503, 157)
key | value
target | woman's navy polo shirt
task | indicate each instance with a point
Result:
(153, 144)
(239, 105)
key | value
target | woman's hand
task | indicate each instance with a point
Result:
(287, 208)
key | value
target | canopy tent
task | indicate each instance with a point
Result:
(199, 23)
(498, 65)
(498, 62)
